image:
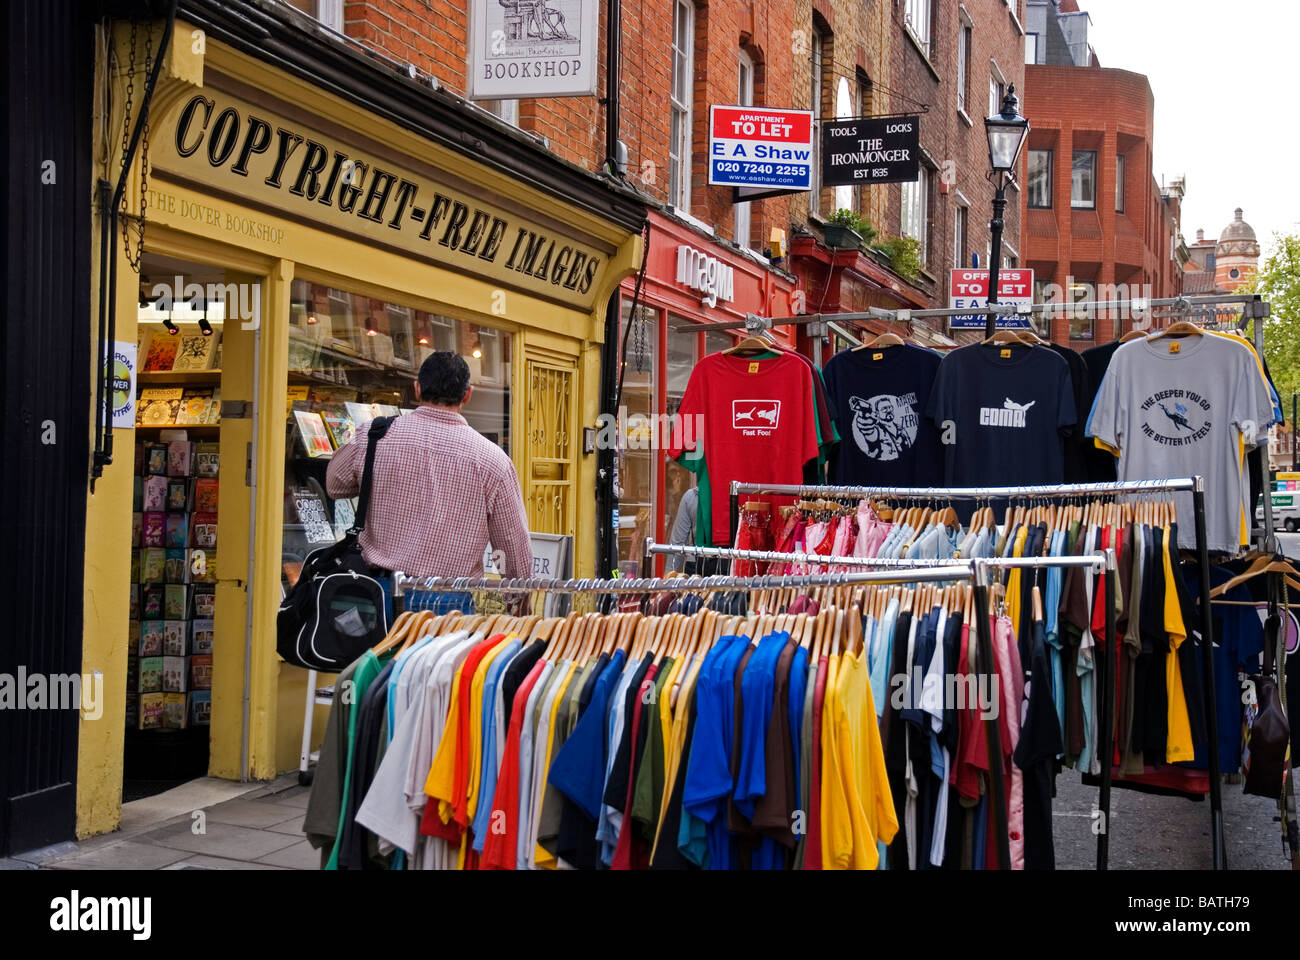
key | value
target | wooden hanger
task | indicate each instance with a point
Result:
(1263, 564)
(1183, 328)
(1133, 335)
(885, 339)
(754, 342)
(1003, 335)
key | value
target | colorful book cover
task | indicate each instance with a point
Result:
(176, 566)
(173, 711)
(158, 406)
(203, 531)
(311, 430)
(151, 638)
(161, 355)
(201, 637)
(206, 490)
(201, 672)
(207, 459)
(153, 529)
(178, 494)
(151, 711)
(153, 565)
(361, 414)
(174, 637)
(204, 601)
(296, 398)
(344, 516)
(176, 598)
(155, 459)
(194, 408)
(152, 598)
(311, 516)
(214, 408)
(180, 456)
(155, 494)
(174, 674)
(203, 570)
(177, 534)
(339, 426)
(195, 351)
(151, 669)
(200, 707)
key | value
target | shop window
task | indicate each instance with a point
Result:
(1083, 321)
(507, 110)
(353, 357)
(637, 455)
(1083, 180)
(683, 354)
(917, 16)
(1040, 180)
(916, 211)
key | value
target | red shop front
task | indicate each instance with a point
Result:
(692, 283)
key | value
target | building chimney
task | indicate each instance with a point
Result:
(1200, 236)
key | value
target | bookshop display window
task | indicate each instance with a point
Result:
(353, 357)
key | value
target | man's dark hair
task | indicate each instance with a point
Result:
(444, 378)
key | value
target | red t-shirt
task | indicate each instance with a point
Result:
(460, 798)
(756, 421)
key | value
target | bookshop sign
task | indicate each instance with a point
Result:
(219, 143)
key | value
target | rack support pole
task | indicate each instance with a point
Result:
(1207, 671)
(1110, 650)
(987, 675)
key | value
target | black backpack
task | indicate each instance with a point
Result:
(336, 610)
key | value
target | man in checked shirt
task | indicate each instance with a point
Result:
(440, 493)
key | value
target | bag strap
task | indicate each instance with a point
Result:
(378, 427)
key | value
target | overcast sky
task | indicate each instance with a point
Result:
(1247, 51)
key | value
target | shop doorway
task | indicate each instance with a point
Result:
(184, 312)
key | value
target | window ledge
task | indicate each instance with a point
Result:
(925, 57)
(965, 117)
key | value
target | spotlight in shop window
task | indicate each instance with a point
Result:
(423, 341)
(371, 332)
(203, 321)
(171, 327)
(478, 353)
(311, 318)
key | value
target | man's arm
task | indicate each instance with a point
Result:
(508, 522)
(683, 527)
(343, 476)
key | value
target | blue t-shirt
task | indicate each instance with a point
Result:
(798, 687)
(756, 688)
(878, 399)
(578, 770)
(488, 731)
(1007, 416)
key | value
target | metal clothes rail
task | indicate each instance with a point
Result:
(1196, 485)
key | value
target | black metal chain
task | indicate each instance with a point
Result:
(134, 259)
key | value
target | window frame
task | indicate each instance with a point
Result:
(965, 43)
(960, 235)
(918, 20)
(1121, 168)
(915, 214)
(1076, 204)
(681, 105)
(1029, 177)
(817, 60)
(742, 211)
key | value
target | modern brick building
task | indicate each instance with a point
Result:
(1097, 224)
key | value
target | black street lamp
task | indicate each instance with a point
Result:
(1007, 132)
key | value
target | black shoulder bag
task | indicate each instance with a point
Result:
(336, 610)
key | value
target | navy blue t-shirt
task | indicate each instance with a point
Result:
(1002, 413)
(878, 399)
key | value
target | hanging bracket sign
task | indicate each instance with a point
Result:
(760, 147)
(871, 150)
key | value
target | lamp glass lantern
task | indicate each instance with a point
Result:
(1007, 132)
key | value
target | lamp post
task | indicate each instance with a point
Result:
(1006, 132)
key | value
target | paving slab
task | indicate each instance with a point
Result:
(221, 840)
(123, 855)
(218, 863)
(300, 856)
(251, 813)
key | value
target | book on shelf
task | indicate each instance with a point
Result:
(177, 534)
(207, 459)
(151, 601)
(153, 528)
(160, 355)
(202, 565)
(151, 711)
(203, 531)
(361, 414)
(311, 430)
(339, 425)
(195, 350)
(158, 406)
(194, 409)
(203, 601)
(151, 668)
(176, 566)
(132, 671)
(174, 637)
(200, 707)
(154, 497)
(201, 636)
(176, 601)
(155, 459)
(153, 564)
(201, 672)
(310, 510)
(387, 410)
(206, 494)
(173, 711)
(175, 676)
(214, 408)
(180, 458)
(134, 602)
(150, 643)
(297, 398)
(345, 515)
(180, 494)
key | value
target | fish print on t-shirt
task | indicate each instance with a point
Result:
(1175, 418)
(885, 426)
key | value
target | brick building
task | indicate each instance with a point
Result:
(1097, 224)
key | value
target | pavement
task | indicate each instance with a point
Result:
(206, 824)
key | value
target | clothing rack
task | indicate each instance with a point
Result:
(979, 567)
(1196, 485)
(976, 571)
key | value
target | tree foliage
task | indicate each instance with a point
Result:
(1278, 281)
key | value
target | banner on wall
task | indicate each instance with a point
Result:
(760, 148)
(871, 150)
(970, 288)
(532, 48)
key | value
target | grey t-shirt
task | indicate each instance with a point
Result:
(1181, 408)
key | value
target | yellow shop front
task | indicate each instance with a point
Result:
(302, 253)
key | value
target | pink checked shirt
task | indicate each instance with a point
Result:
(441, 492)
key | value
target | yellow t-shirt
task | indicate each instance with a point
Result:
(441, 782)
(862, 757)
(1013, 581)
(543, 858)
(1178, 743)
(836, 825)
(476, 728)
